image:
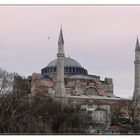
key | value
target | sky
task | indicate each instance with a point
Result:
(101, 38)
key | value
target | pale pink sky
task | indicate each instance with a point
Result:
(101, 38)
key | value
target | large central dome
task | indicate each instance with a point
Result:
(71, 67)
(68, 62)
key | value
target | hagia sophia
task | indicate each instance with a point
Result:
(64, 77)
(77, 80)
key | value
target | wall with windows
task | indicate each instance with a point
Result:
(100, 113)
(85, 85)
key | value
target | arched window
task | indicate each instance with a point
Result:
(91, 91)
(73, 69)
(80, 70)
(66, 70)
(77, 70)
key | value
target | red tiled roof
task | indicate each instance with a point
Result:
(116, 128)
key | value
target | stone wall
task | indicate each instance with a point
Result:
(73, 86)
(41, 86)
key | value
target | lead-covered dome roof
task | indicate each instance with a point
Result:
(68, 62)
(71, 67)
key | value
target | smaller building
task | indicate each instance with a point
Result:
(98, 111)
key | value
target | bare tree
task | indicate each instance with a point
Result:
(118, 112)
(6, 81)
(61, 118)
(127, 113)
(22, 114)
(41, 115)
(134, 115)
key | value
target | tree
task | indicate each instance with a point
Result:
(60, 116)
(24, 114)
(126, 113)
(118, 112)
(6, 81)
(40, 114)
(134, 115)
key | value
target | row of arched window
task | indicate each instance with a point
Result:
(77, 70)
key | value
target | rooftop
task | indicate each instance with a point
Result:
(68, 62)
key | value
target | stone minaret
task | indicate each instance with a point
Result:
(136, 94)
(60, 88)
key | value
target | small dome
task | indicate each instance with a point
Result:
(68, 62)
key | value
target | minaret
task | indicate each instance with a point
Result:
(60, 88)
(136, 94)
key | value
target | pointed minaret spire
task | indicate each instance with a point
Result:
(60, 87)
(61, 40)
(136, 94)
(137, 45)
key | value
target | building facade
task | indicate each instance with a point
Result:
(65, 77)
